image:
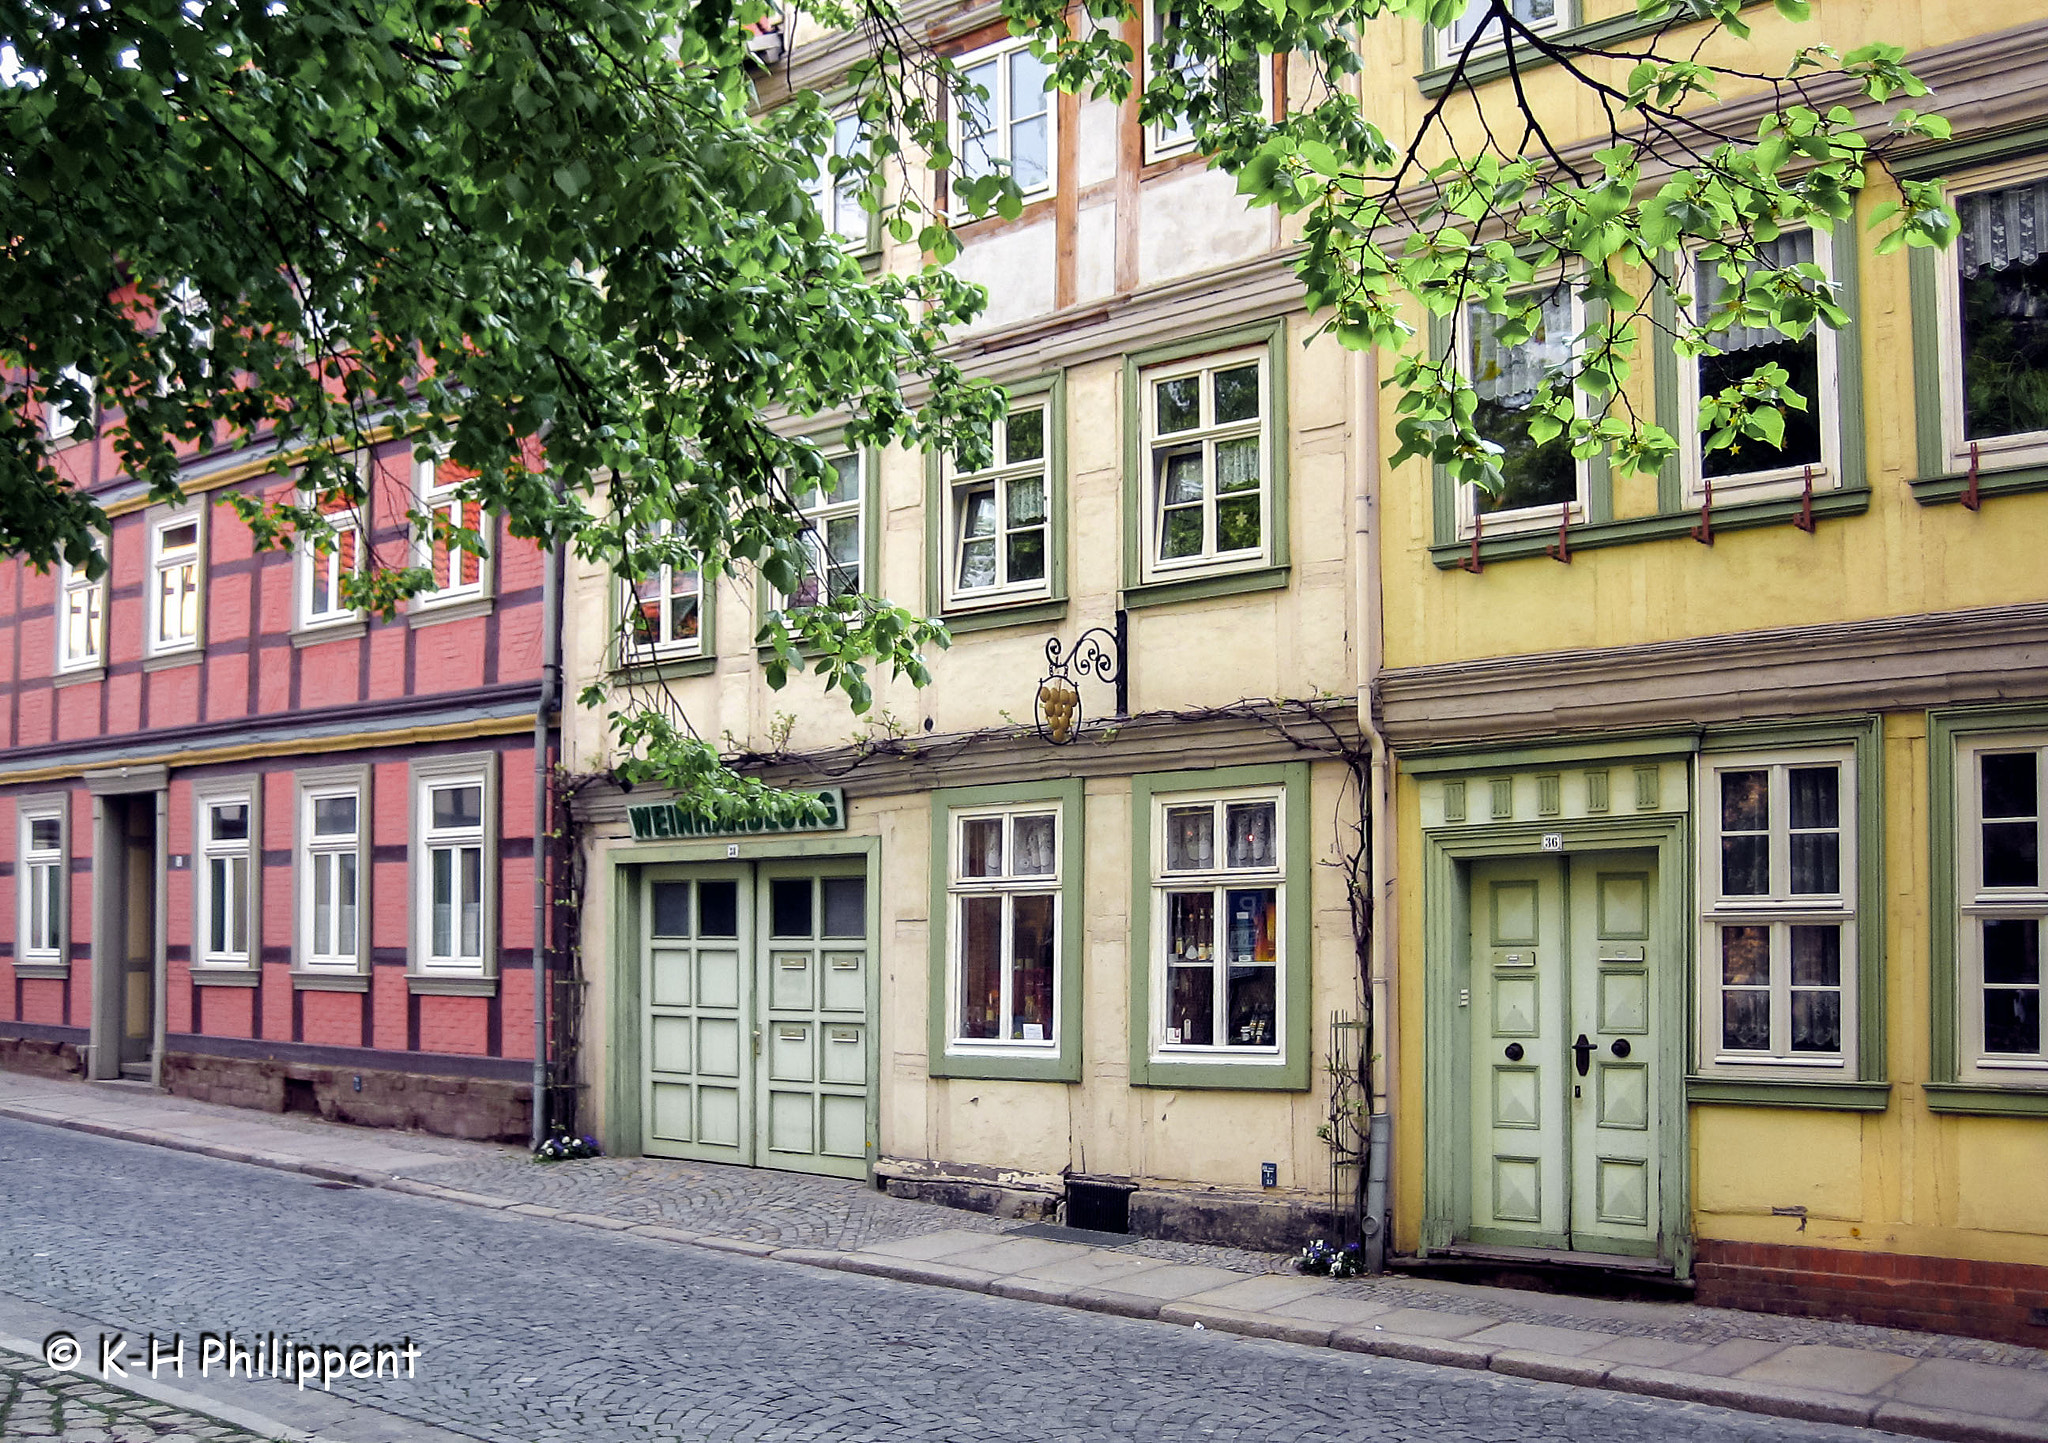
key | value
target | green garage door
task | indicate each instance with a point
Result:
(757, 1028)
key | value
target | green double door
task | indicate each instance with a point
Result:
(1566, 1063)
(757, 1015)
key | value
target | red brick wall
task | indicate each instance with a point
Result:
(2006, 1301)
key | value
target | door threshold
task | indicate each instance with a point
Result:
(128, 1084)
(1550, 1270)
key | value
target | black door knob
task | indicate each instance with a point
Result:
(1584, 1049)
(1621, 1047)
(1514, 1052)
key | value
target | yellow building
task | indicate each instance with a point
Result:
(1010, 963)
(1720, 793)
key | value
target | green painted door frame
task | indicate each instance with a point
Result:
(1448, 855)
(617, 891)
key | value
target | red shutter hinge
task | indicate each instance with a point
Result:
(1704, 532)
(1561, 549)
(1804, 520)
(1970, 499)
(1472, 563)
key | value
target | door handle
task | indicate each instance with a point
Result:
(757, 1048)
(1584, 1049)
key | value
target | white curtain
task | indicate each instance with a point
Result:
(1511, 374)
(2002, 228)
(1793, 249)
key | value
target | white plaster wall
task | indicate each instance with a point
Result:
(1193, 220)
(1017, 267)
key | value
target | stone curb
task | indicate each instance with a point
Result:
(1731, 1393)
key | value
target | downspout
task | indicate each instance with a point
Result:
(1368, 627)
(550, 684)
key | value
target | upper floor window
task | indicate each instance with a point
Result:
(1992, 296)
(1209, 466)
(835, 535)
(664, 609)
(1246, 85)
(62, 423)
(174, 547)
(998, 522)
(325, 562)
(451, 876)
(1778, 923)
(1004, 899)
(838, 198)
(1811, 446)
(42, 883)
(1011, 125)
(1219, 892)
(2002, 791)
(1544, 17)
(1538, 478)
(81, 622)
(226, 842)
(459, 574)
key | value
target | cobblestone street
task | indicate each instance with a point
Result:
(537, 1331)
(36, 1405)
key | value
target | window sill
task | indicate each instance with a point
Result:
(79, 677)
(1204, 586)
(1977, 1100)
(1741, 516)
(331, 631)
(1492, 63)
(1015, 613)
(226, 976)
(671, 669)
(1827, 1096)
(424, 986)
(1277, 1076)
(173, 660)
(438, 612)
(47, 971)
(330, 981)
(1938, 490)
(991, 1068)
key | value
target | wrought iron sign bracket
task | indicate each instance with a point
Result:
(1098, 654)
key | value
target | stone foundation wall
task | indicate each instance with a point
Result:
(45, 1059)
(483, 1109)
(2005, 1301)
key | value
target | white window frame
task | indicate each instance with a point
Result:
(824, 510)
(1006, 887)
(1780, 909)
(1005, 119)
(1447, 40)
(1977, 904)
(1524, 518)
(30, 951)
(161, 567)
(185, 299)
(432, 495)
(1779, 481)
(838, 204)
(1220, 880)
(61, 427)
(2026, 448)
(206, 850)
(1165, 140)
(1207, 434)
(307, 562)
(997, 477)
(662, 584)
(308, 846)
(74, 585)
(479, 770)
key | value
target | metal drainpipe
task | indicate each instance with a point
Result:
(1369, 628)
(550, 673)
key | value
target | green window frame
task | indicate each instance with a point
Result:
(663, 661)
(1282, 1065)
(2004, 467)
(1957, 737)
(1859, 1081)
(1491, 62)
(1142, 586)
(1057, 1059)
(1011, 606)
(833, 446)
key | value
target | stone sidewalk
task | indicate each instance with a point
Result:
(1922, 1384)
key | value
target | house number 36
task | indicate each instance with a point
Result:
(1553, 841)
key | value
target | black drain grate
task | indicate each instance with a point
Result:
(1087, 1237)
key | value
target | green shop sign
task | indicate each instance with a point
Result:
(664, 820)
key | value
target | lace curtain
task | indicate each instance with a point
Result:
(1793, 249)
(1511, 374)
(2002, 228)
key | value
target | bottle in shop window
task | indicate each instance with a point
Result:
(1243, 932)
